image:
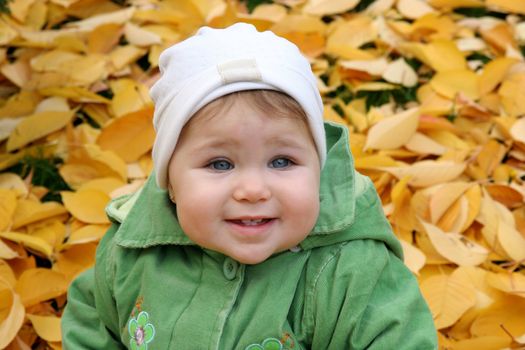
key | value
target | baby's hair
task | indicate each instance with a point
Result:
(272, 103)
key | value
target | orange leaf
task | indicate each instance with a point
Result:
(129, 136)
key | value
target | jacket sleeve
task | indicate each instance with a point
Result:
(365, 298)
(90, 320)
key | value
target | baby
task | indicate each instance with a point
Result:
(254, 231)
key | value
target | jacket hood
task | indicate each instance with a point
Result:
(350, 208)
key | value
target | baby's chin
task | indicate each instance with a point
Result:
(252, 257)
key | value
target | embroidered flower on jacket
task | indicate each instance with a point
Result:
(141, 331)
(267, 344)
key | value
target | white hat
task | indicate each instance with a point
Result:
(216, 62)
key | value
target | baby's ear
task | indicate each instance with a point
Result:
(170, 193)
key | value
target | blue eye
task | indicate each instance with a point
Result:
(280, 163)
(221, 165)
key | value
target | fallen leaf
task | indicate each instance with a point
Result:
(29, 211)
(36, 126)
(47, 327)
(399, 72)
(443, 196)
(33, 243)
(129, 136)
(328, 7)
(422, 144)
(413, 9)
(455, 247)
(394, 131)
(414, 258)
(87, 205)
(513, 283)
(40, 284)
(494, 73)
(11, 324)
(448, 297)
(453, 82)
(428, 172)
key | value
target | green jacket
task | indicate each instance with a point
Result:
(345, 288)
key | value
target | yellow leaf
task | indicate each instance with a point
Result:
(442, 55)
(7, 33)
(512, 242)
(40, 284)
(448, 297)
(434, 26)
(348, 36)
(372, 67)
(449, 140)
(394, 131)
(414, 258)
(328, 7)
(36, 126)
(511, 6)
(482, 343)
(428, 172)
(399, 72)
(512, 283)
(122, 56)
(455, 247)
(115, 17)
(34, 243)
(138, 36)
(453, 82)
(74, 93)
(451, 4)
(7, 276)
(422, 144)
(105, 184)
(473, 196)
(104, 38)
(96, 163)
(87, 205)
(87, 234)
(443, 196)
(493, 73)
(30, 211)
(374, 162)
(19, 72)
(507, 313)
(11, 324)
(517, 130)
(512, 93)
(47, 327)
(11, 181)
(130, 96)
(20, 8)
(75, 260)
(7, 207)
(129, 136)
(20, 104)
(489, 217)
(490, 155)
(7, 253)
(413, 9)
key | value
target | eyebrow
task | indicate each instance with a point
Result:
(279, 141)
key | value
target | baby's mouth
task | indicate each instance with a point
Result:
(251, 222)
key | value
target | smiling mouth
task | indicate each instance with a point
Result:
(251, 222)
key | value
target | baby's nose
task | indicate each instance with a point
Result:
(251, 186)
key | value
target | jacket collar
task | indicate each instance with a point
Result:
(148, 218)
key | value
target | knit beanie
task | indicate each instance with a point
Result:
(217, 62)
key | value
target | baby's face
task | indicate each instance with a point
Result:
(245, 184)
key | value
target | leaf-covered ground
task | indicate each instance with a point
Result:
(432, 92)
